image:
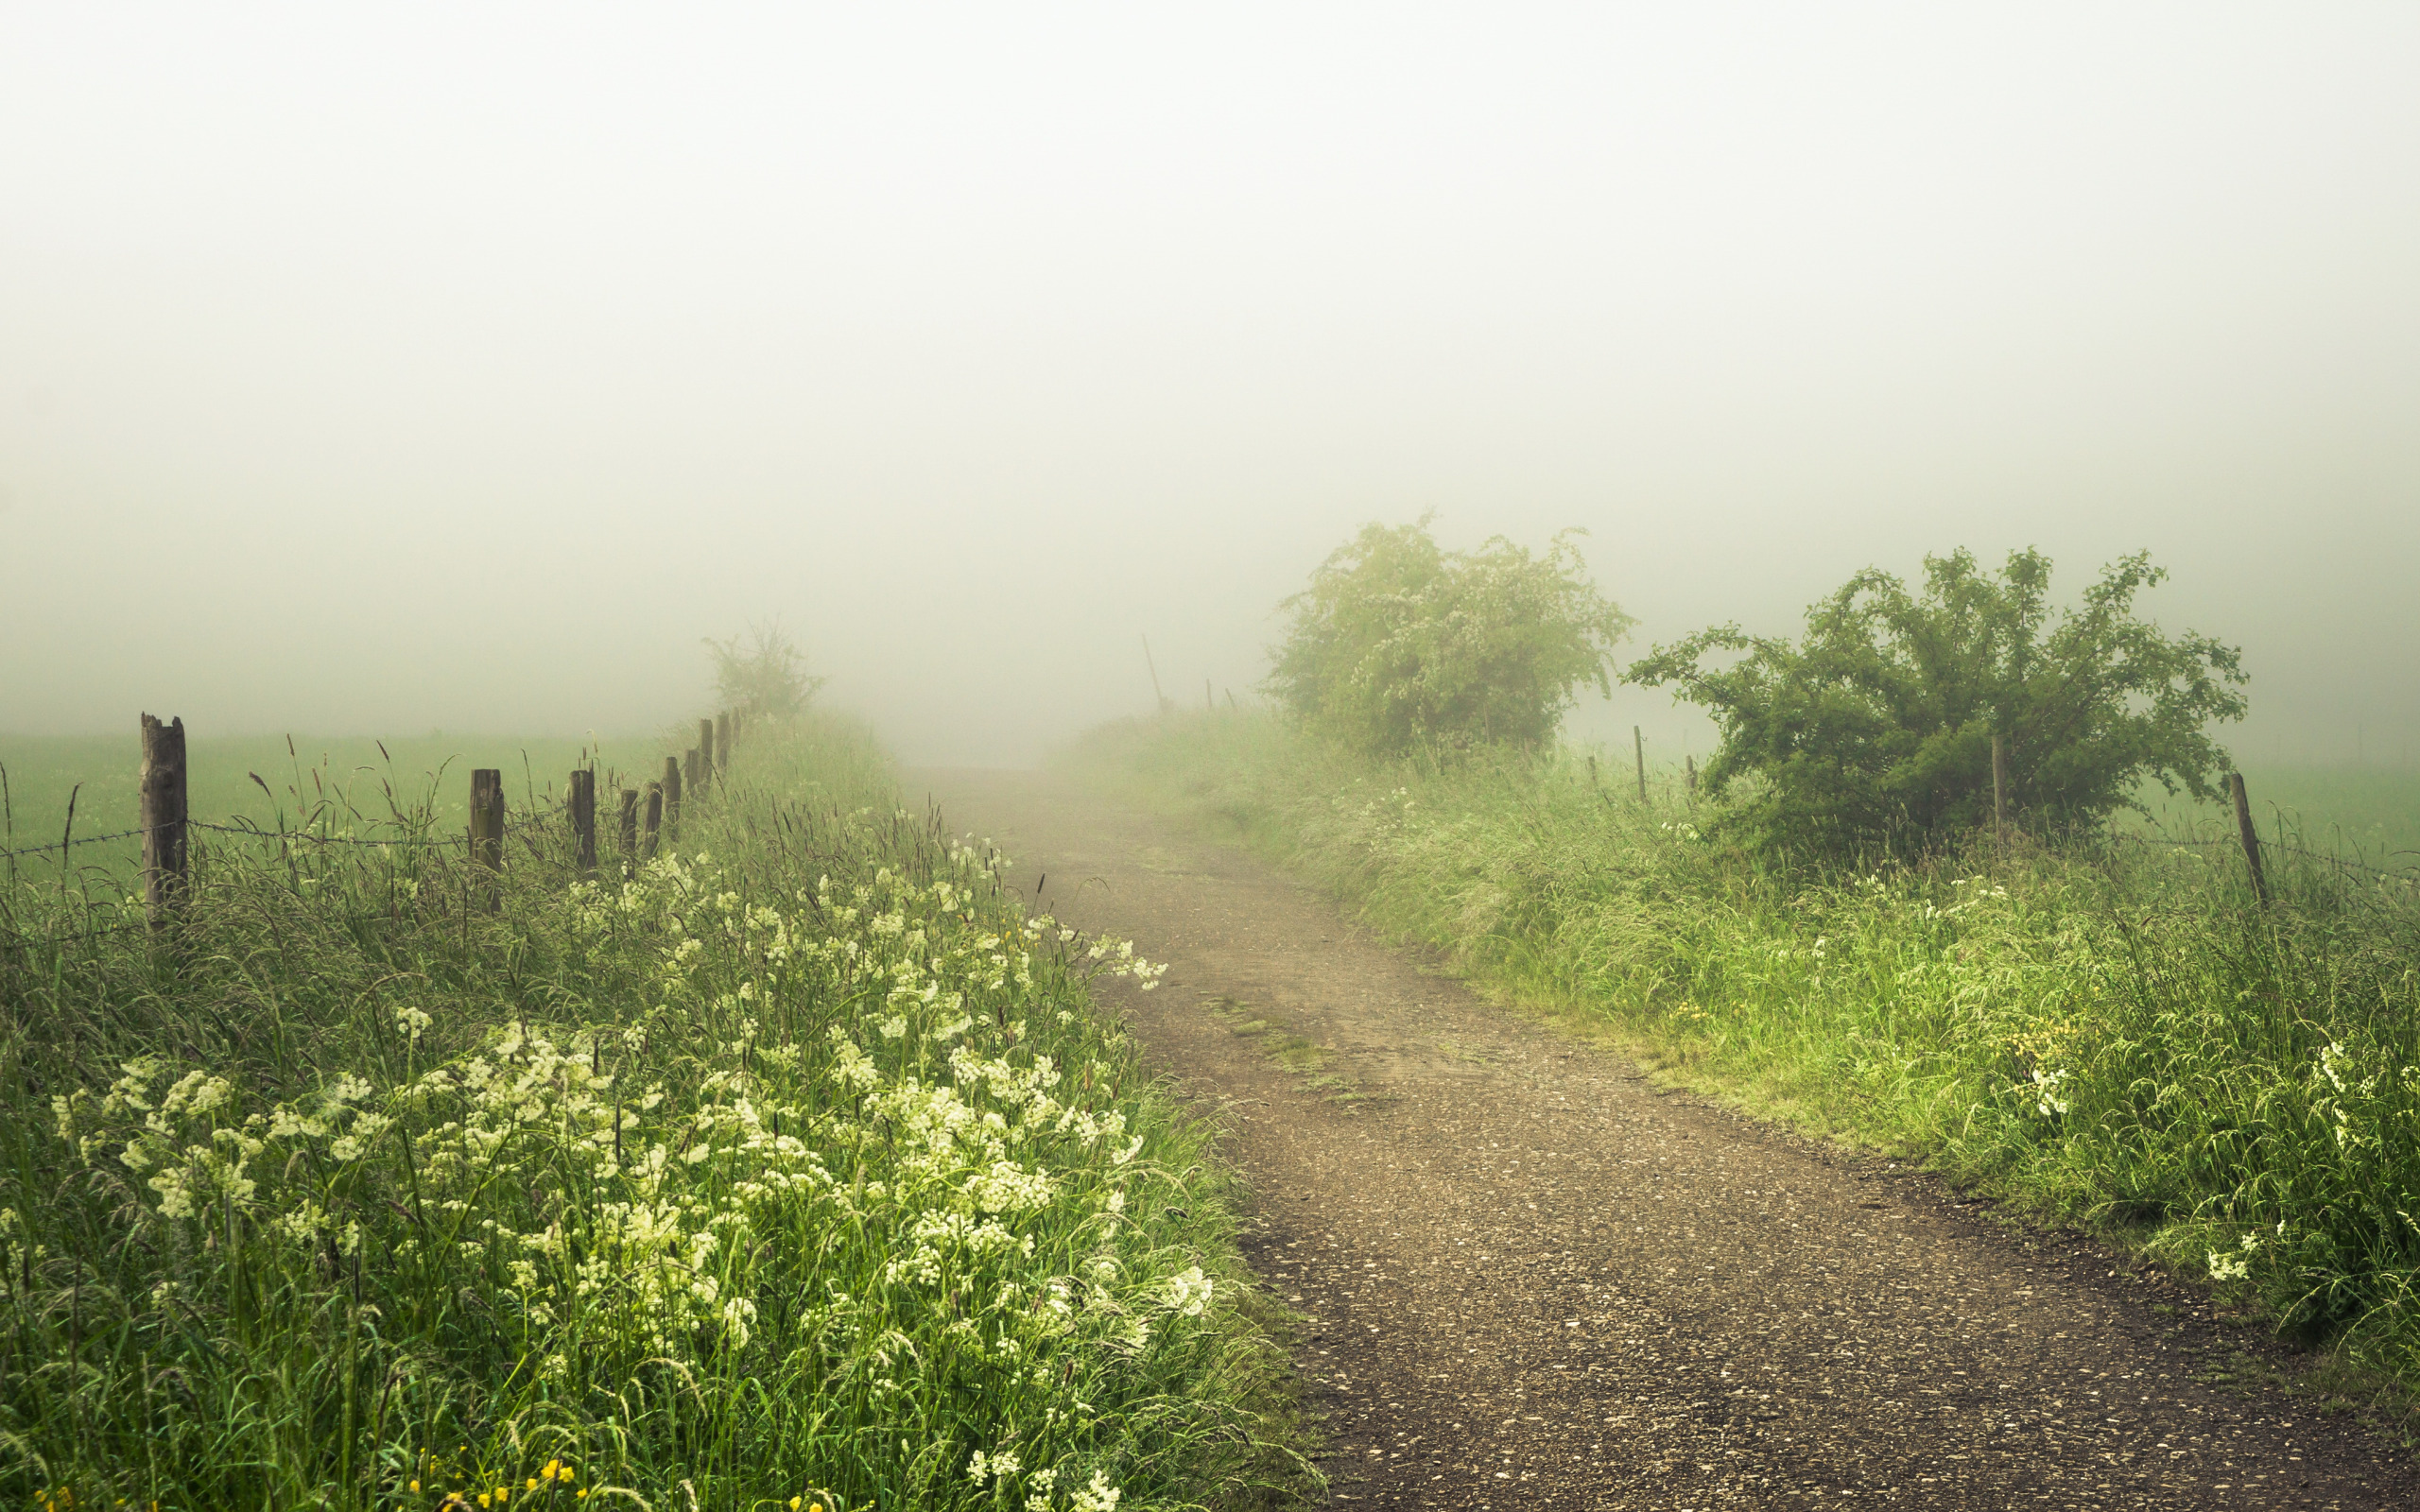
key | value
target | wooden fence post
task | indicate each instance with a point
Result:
(654, 815)
(705, 755)
(1638, 742)
(722, 739)
(629, 827)
(673, 797)
(487, 829)
(163, 817)
(1689, 775)
(1159, 700)
(581, 800)
(2250, 836)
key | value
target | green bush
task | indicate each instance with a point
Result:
(1876, 729)
(1398, 645)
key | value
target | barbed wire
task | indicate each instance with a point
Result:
(253, 831)
(256, 831)
(82, 839)
(2282, 847)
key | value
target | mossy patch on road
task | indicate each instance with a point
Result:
(1281, 1046)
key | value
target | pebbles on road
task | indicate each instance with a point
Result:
(1528, 1278)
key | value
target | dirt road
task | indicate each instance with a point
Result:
(1528, 1280)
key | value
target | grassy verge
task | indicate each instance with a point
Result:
(2111, 1033)
(794, 1166)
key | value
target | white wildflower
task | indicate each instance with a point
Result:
(1189, 1292)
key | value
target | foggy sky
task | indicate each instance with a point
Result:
(461, 366)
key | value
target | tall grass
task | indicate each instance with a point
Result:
(2107, 1031)
(794, 1165)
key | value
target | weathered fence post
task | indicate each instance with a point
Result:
(1159, 700)
(1689, 775)
(163, 817)
(705, 755)
(722, 739)
(581, 800)
(1638, 742)
(629, 826)
(673, 797)
(2250, 836)
(654, 815)
(487, 829)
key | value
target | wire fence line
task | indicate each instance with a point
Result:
(556, 813)
(543, 819)
(2282, 847)
(164, 873)
(81, 839)
(256, 832)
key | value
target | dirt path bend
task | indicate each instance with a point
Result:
(1529, 1281)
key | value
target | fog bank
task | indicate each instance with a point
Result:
(461, 367)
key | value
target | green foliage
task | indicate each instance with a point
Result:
(764, 677)
(1398, 645)
(2111, 1032)
(1876, 729)
(790, 1162)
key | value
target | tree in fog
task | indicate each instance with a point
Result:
(1398, 644)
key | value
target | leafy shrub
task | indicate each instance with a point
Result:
(1878, 727)
(1398, 644)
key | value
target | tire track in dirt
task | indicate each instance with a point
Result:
(1530, 1280)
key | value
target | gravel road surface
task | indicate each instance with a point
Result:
(1529, 1278)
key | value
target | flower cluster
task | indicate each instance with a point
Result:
(866, 1138)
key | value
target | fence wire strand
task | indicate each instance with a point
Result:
(2283, 848)
(254, 831)
(82, 839)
